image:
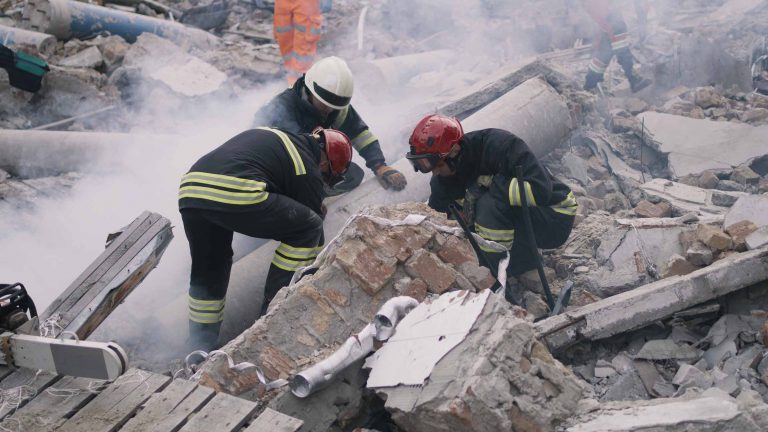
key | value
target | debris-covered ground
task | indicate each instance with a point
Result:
(667, 325)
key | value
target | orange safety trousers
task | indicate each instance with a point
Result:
(296, 26)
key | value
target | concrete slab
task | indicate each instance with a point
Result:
(748, 207)
(687, 198)
(668, 349)
(696, 145)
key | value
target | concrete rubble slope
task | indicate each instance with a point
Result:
(366, 265)
(643, 305)
(497, 378)
(710, 411)
(528, 110)
(696, 145)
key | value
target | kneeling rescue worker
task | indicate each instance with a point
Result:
(480, 167)
(321, 98)
(265, 183)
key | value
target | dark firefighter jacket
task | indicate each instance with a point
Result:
(489, 152)
(243, 171)
(292, 111)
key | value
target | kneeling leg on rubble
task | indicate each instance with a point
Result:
(296, 226)
(501, 221)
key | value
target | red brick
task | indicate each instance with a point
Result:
(713, 237)
(425, 265)
(457, 251)
(739, 232)
(368, 269)
(416, 288)
(398, 242)
(648, 209)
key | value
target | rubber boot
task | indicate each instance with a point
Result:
(636, 82)
(593, 78)
(277, 278)
(204, 337)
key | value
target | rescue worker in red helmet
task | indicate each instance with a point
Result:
(480, 167)
(264, 183)
(612, 39)
(322, 98)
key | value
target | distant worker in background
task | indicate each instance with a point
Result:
(297, 25)
(264, 183)
(321, 98)
(613, 39)
(480, 168)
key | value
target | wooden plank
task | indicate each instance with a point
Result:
(273, 421)
(167, 411)
(128, 273)
(52, 406)
(94, 271)
(114, 274)
(224, 413)
(117, 403)
(24, 384)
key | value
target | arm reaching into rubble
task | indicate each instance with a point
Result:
(504, 151)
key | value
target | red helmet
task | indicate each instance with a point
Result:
(338, 148)
(432, 140)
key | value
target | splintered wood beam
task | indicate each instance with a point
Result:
(122, 266)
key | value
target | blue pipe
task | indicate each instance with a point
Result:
(67, 19)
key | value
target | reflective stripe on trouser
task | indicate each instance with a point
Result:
(296, 27)
(292, 258)
(514, 194)
(498, 221)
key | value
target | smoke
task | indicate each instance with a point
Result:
(47, 247)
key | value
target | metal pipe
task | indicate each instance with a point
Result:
(45, 44)
(390, 313)
(67, 19)
(321, 374)
(361, 28)
(38, 152)
(354, 348)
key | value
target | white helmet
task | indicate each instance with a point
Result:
(330, 80)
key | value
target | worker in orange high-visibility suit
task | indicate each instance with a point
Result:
(297, 25)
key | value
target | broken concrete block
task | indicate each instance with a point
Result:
(87, 58)
(615, 202)
(496, 378)
(620, 124)
(715, 355)
(744, 175)
(576, 168)
(723, 200)
(730, 186)
(425, 265)
(762, 186)
(625, 386)
(708, 97)
(677, 266)
(686, 139)
(757, 239)
(708, 180)
(755, 115)
(479, 276)
(699, 255)
(667, 349)
(706, 412)
(535, 305)
(714, 238)
(635, 105)
(647, 209)
(748, 207)
(113, 49)
(604, 369)
(739, 232)
(690, 377)
(415, 288)
(601, 188)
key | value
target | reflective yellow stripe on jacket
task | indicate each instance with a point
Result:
(568, 206)
(298, 164)
(209, 186)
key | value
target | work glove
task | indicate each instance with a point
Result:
(390, 178)
(471, 196)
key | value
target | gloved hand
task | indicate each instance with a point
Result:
(390, 178)
(471, 196)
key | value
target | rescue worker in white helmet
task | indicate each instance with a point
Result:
(322, 98)
(264, 183)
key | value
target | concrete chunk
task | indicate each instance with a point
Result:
(667, 349)
(749, 207)
(757, 239)
(87, 58)
(495, 379)
(689, 377)
(685, 140)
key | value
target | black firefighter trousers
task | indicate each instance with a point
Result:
(209, 232)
